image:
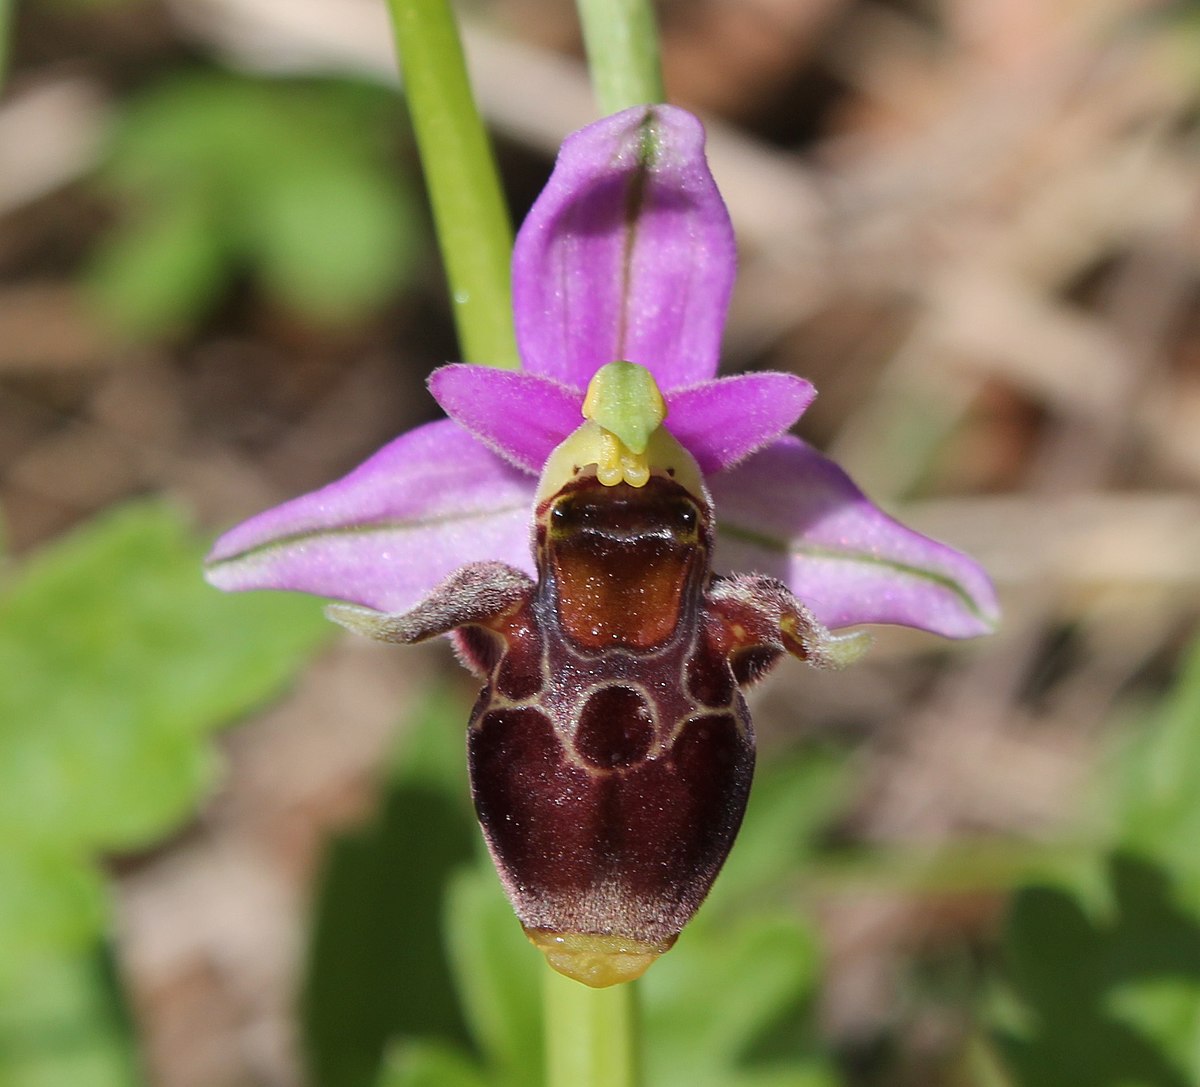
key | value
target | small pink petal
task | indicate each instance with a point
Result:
(792, 513)
(520, 416)
(722, 422)
(387, 533)
(628, 253)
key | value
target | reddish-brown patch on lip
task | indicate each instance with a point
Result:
(627, 852)
(622, 559)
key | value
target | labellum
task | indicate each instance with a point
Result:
(611, 750)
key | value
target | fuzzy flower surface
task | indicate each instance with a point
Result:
(618, 542)
(627, 255)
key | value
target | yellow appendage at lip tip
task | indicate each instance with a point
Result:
(596, 960)
(617, 463)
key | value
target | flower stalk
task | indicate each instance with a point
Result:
(591, 1037)
(6, 10)
(473, 228)
(621, 39)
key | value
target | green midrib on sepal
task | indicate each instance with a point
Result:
(786, 547)
(378, 527)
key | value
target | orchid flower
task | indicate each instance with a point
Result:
(615, 582)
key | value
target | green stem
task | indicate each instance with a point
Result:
(591, 1037)
(5, 33)
(469, 212)
(621, 38)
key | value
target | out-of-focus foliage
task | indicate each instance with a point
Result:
(62, 1022)
(290, 183)
(118, 662)
(1156, 794)
(1107, 967)
(1113, 994)
(390, 877)
(5, 20)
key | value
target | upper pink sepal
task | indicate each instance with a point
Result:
(628, 253)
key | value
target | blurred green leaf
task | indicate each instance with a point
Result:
(1110, 982)
(117, 661)
(51, 899)
(1166, 1011)
(379, 972)
(162, 272)
(59, 1025)
(432, 753)
(291, 181)
(5, 33)
(118, 658)
(1158, 783)
(765, 970)
(424, 1064)
(499, 977)
(85, 6)
(1081, 976)
(376, 969)
(331, 240)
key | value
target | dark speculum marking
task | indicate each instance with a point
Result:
(616, 728)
